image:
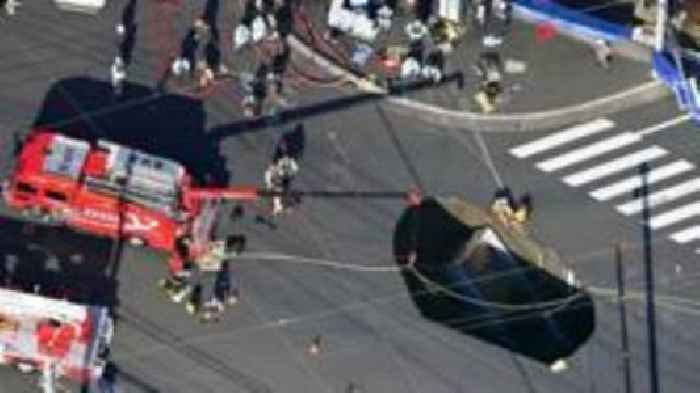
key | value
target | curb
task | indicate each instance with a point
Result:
(531, 121)
(534, 121)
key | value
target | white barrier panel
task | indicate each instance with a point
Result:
(15, 303)
(83, 6)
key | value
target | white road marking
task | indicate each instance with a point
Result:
(661, 126)
(630, 183)
(560, 138)
(686, 235)
(590, 151)
(660, 197)
(676, 215)
(614, 166)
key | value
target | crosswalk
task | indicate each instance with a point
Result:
(603, 161)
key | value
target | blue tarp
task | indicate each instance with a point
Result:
(667, 69)
(571, 20)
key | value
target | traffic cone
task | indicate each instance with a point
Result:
(414, 196)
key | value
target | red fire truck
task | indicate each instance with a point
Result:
(65, 341)
(111, 190)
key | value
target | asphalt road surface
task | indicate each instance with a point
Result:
(308, 277)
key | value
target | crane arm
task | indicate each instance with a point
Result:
(236, 193)
(252, 193)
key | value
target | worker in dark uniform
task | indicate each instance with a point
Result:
(224, 291)
(217, 286)
(177, 284)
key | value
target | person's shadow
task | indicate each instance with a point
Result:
(129, 13)
(210, 16)
(126, 46)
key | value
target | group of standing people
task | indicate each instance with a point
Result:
(200, 56)
(205, 281)
(264, 24)
(200, 62)
(206, 284)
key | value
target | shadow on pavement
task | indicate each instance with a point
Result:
(290, 115)
(166, 125)
(329, 105)
(56, 262)
(292, 143)
(490, 296)
(620, 12)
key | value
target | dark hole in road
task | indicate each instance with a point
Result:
(168, 125)
(491, 296)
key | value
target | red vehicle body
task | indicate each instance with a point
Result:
(67, 340)
(111, 190)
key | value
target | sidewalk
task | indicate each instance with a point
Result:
(560, 71)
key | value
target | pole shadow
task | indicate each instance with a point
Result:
(485, 292)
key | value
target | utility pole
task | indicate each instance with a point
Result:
(626, 370)
(649, 276)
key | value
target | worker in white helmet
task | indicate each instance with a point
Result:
(278, 178)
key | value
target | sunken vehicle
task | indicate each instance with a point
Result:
(483, 273)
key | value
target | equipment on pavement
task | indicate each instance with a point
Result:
(58, 338)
